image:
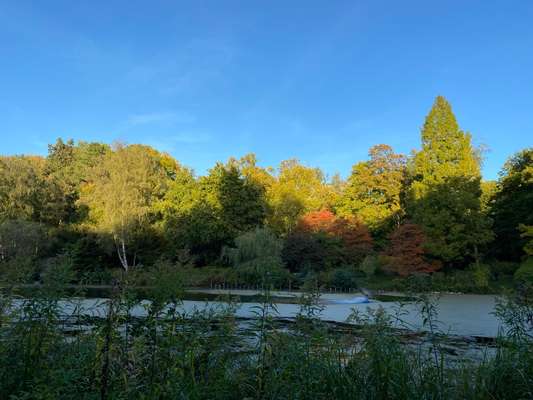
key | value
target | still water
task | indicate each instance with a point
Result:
(458, 314)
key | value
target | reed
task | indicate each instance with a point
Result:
(51, 349)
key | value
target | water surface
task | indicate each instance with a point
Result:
(458, 314)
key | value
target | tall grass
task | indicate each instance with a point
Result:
(50, 351)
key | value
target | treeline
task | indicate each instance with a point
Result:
(103, 206)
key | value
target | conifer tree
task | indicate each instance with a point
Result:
(447, 151)
(444, 196)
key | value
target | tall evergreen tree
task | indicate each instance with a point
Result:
(444, 195)
(447, 151)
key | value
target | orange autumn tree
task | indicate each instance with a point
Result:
(406, 253)
(352, 234)
(317, 221)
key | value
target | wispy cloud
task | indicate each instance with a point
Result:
(172, 142)
(189, 67)
(190, 137)
(159, 118)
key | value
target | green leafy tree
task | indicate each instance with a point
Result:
(512, 205)
(488, 191)
(296, 190)
(26, 193)
(207, 213)
(241, 202)
(21, 244)
(19, 238)
(256, 253)
(122, 193)
(247, 165)
(527, 233)
(373, 189)
(446, 152)
(69, 164)
(444, 195)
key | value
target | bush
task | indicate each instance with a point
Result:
(343, 278)
(302, 252)
(276, 276)
(370, 266)
(58, 269)
(20, 238)
(18, 270)
(472, 280)
(524, 274)
(481, 275)
(164, 281)
(503, 268)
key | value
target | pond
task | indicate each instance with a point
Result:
(458, 314)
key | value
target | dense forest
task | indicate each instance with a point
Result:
(107, 208)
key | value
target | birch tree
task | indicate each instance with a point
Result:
(121, 194)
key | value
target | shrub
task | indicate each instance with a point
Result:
(302, 251)
(499, 268)
(20, 238)
(100, 276)
(165, 281)
(481, 275)
(370, 266)
(343, 278)
(58, 269)
(524, 274)
(18, 270)
(276, 275)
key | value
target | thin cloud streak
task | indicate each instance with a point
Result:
(172, 142)
(158, 118)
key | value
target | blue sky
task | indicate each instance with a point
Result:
(321, 81)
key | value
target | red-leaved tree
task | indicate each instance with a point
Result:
(355, 238)
(351, 234)
(406, 253)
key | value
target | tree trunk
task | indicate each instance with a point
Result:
(122, 256)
